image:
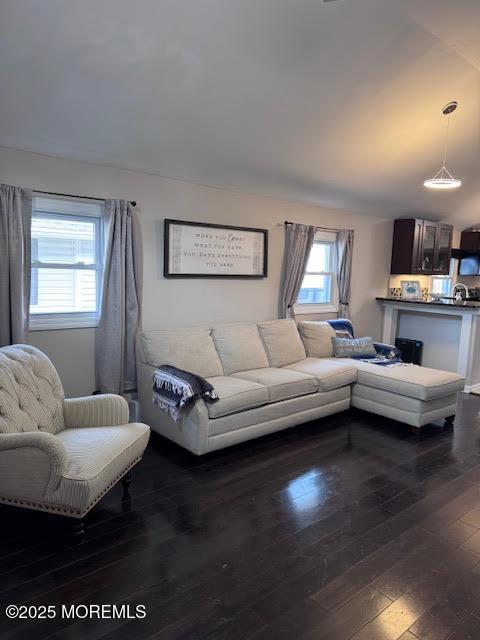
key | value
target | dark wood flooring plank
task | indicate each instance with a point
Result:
(379, 536)
(468, 630)
(462, 596)
(424, 591)
(458, 532)
(419, 559)
(281, 536)
(349, 618)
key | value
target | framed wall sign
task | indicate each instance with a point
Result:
(200, 250)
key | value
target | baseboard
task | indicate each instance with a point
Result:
(473, 388)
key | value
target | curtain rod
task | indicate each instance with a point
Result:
(71, 195)
(322, 228)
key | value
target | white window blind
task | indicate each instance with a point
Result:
(67, 263)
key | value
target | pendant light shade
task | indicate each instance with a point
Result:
(443, 179)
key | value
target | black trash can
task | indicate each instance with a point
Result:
(411, 350)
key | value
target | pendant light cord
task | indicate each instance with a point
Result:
(446, 141)
(443, 179)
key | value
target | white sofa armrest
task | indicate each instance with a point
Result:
(191, 431)
(105, 410)
(32, 464)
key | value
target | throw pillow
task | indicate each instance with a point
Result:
(353, 347)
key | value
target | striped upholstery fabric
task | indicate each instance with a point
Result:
(31, 464)
(97, 459)
(31, 394)
(59, 455)
(93, 411)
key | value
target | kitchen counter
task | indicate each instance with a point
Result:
(439, 303)
(450, 333)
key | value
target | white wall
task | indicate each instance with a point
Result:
(169, 303)
(440, 336)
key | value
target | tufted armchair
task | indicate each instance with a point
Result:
(59, 455)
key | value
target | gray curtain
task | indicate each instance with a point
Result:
(344, 255)
(298, 242)
(120, 317)
(15, 265)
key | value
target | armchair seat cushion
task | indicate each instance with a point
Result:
(96, 458)
(282, 384)
(330, 373)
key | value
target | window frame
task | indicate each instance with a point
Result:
(308, 308)
(74, 319)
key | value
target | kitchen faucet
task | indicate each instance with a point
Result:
(460, 284)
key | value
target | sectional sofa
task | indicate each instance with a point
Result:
(274, 375)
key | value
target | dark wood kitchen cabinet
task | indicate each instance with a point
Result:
(470, 241)
(421, 247)
(443, 249)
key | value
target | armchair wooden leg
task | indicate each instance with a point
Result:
(126, 481)
(79, 531)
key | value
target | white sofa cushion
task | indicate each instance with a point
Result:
(279, 412)
(282, 342)
(189, 349)
(412, 380)
(239, 347)
(282, 384)
(235, 395)
(317, 338)
(330, 373)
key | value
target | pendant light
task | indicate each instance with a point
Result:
(443, 179)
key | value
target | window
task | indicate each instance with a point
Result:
(442, 285)
(319, 290)
(67, 263)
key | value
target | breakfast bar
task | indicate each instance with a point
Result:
(449, 332)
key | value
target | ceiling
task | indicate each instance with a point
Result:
(337, 103)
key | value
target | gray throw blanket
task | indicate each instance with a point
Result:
(174, 389)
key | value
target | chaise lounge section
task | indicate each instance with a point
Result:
(274, 375)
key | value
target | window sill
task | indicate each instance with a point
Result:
(43, 323)
(309, 309)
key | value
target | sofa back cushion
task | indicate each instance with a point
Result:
(282, 342)
(317, 338)
(31, 394)
(189, 349)
(240, 347)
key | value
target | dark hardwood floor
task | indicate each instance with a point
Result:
(346, 528)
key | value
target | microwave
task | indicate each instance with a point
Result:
(469, 265)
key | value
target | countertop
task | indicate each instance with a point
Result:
(433, 303)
